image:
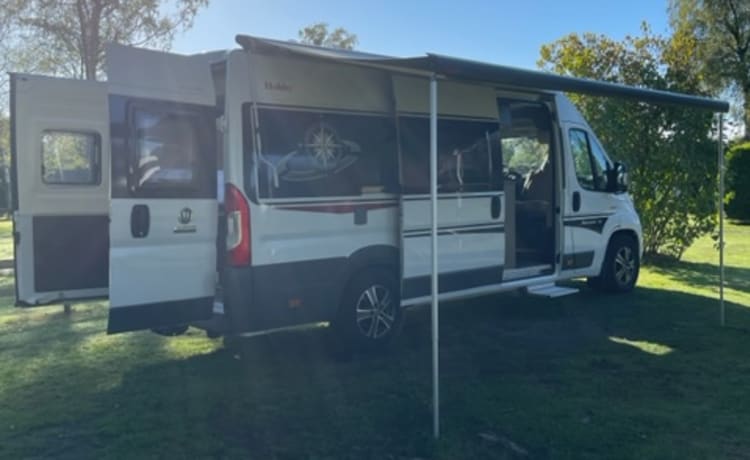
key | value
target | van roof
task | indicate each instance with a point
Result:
(481, 72)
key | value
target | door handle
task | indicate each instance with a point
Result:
(140, 221)
(576, 201)
(496, 205)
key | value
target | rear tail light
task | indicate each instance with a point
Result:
(238, 227)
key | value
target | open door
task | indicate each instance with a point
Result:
(163, 206)
(59, 150)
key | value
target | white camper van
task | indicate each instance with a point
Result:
(280, 184)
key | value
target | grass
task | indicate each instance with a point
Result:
(646, 375)
(6, 239)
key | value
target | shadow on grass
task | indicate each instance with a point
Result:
(576, 377)
(703, 274)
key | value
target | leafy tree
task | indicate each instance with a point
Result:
(738, 186)
(67, 37)
(669, 152)
(318, 34)
(722, 32)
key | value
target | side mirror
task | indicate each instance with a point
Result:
(617, 178)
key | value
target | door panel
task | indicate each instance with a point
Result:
(471, 203)
(164, 213)
(588, 206)
(471, 243)
(60, 150)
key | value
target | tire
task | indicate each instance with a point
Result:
(370, 314)
(621, 265)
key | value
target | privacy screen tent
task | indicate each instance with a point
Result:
(438, 68)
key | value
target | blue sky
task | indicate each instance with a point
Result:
(502, 31)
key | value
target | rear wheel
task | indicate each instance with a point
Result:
(621, 265)
(370, 315)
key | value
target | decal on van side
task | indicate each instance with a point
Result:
(593, 223)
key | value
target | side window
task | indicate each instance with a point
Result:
(71, 158)
(589, 161)
(600, 164)
(467, 160)
(579, 149)
(313, 154)
(166, 149)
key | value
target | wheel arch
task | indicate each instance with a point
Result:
(629, 232)
(381, 255)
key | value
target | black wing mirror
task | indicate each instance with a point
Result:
(617, 178)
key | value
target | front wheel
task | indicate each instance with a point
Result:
(621, 265)
(370, 315)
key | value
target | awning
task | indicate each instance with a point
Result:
(480, 72)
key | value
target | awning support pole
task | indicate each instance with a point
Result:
(433, 236)
(720, 138)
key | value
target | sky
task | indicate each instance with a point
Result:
(502, 31)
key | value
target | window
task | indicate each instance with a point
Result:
(70, 158)
(600, 163)
(166, 149)
(589, 161)
(313, 154)
(465, 155)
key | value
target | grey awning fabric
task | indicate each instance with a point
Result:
(468, 70)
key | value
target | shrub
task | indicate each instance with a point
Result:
(737, 198)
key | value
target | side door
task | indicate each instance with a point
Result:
(60, 182)
(588, 206)
(164, 213)
(471, 239)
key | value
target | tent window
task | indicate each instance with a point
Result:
(71, 158)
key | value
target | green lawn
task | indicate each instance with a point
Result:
(646, 375)
(6, 240)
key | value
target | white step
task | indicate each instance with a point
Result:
(550, 290)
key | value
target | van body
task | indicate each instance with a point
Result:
(251, 190)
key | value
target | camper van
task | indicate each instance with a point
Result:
(279, 184)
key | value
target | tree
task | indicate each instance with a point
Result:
(738, 187)
(67, 37)
(318, 34)
(722, 32)
(668, 149)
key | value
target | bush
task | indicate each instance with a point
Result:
(737, 198)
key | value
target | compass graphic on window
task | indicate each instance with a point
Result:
(321, 153)
(322, 143)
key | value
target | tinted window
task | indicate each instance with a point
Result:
(599, 163)
(589, 161)
(166, 148)
(70, 158)
(310, 154)
(465, 155)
